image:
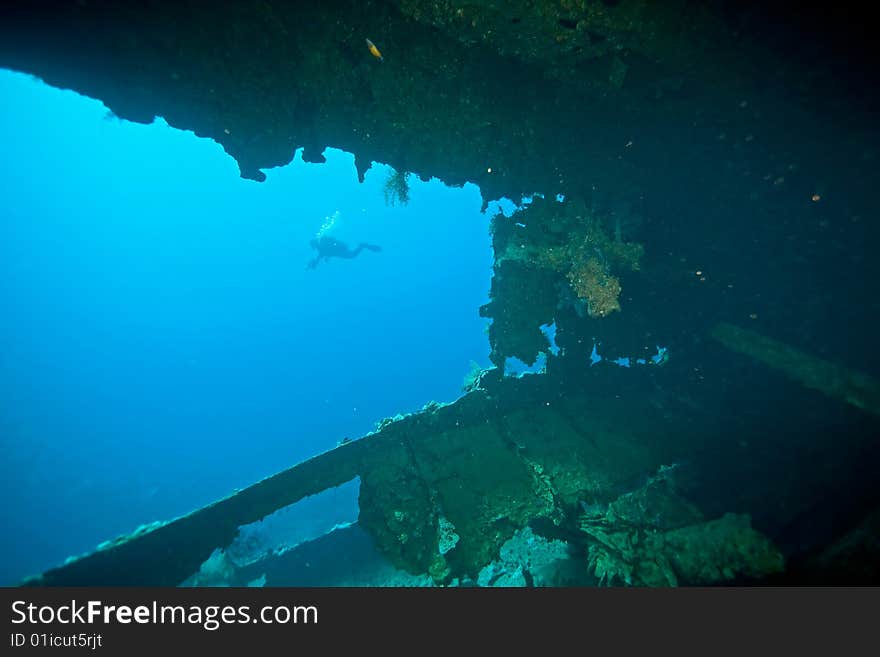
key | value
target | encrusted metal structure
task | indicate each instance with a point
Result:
(623, 108)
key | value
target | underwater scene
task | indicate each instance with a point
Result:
(406, 293)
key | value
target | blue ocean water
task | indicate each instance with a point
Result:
(163, 341)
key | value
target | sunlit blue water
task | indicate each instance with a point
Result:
(162, 339)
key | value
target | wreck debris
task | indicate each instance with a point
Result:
(168, 553)
(654, 537)
(580, 248)
(850, 386)
(526, 559)
(551, 254)
(396, 188)
(541, 464)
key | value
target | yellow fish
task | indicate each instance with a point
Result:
(374, 51)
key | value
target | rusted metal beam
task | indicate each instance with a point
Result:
(167, 553)
(853, 387)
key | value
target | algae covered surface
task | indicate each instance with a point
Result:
(489, 480)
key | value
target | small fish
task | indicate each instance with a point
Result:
(374, 51)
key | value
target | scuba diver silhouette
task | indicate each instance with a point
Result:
(329, 247)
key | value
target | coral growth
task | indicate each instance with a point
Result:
(590, 256)
(654, 537)
(396, 188)
(525, 559)
(587, 259)
(447, 538)
(591, 282)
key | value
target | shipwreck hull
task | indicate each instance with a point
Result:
(532, 451)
